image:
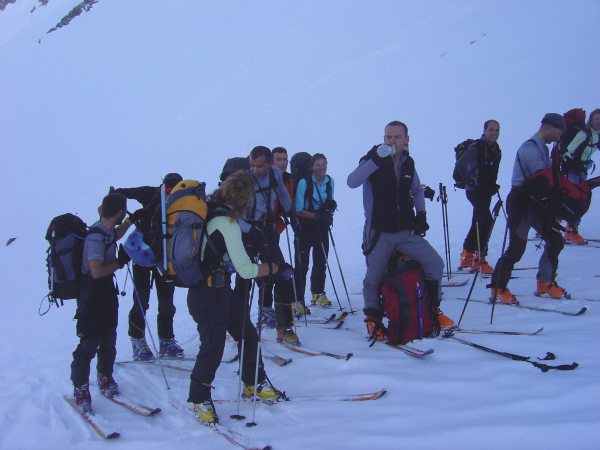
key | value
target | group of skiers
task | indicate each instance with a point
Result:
(478, 166)
(252, 207)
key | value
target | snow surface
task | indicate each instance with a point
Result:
(132, 90)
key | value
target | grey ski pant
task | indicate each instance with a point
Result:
(414, 246)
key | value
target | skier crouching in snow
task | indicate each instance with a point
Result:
(391, 193)
(213, 304)
(97, 303)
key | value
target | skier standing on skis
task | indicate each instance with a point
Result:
(97, 302)
(478, 166)
(282, 218)
(315, 206)
(261, 239)
(533, 155)
(214, 306)
(144, 277)
(392, 192)
(577, 145)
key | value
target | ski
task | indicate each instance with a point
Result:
(542, 366)
(339, 326)
(325, 397)
(566, 295)
(152, 364)
(509, 333)
(133, 406)
(316, 352)
(454, 283)
(322, 321)
(280, 361)
(92, 421)
(530, 307)
(412, 351)
(219, 429)
(587, 243)
(333, 318)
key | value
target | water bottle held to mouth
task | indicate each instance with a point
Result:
(385, 150)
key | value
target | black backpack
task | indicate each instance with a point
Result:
(66, 235)
(232, 165)
(300, 166)
(460, 150)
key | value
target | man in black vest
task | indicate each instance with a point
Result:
(391, 193)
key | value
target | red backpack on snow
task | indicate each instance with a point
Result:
(407, 302)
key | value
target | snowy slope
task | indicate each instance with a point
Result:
(129, 91)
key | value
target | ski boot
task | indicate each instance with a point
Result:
(287, 336)
(206, 413)
(141, 351)
(481, 264)
(300, 310)
(373, 321)
(321, 300)
(265, 392)
(170, 348)
(552, 289)
(444, 321)
(466, 260)
(83, 399)
(107, 385)
(503, 296)
(572, 235)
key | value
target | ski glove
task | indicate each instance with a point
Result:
(285, 271)
(330, 205)
(136, 216)
(428, 193)
(325, 217)
(381, 152)
(122, 257)
(420, 225)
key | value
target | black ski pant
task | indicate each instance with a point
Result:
(521, 218)
(313, 236)
(481, 213)
(166, 308)
(218, 311)
(267, 250)
(97, 319)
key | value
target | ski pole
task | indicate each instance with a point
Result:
(495, 287)
(247, 307)
(139, 303)
(442, 198)
(328, 268)
(352, 311)
(474, 278)
(287, 235)
(124, 291)
(260, 302)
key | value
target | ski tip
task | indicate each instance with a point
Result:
(349, 355)
(581, 311)
(113, 435)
